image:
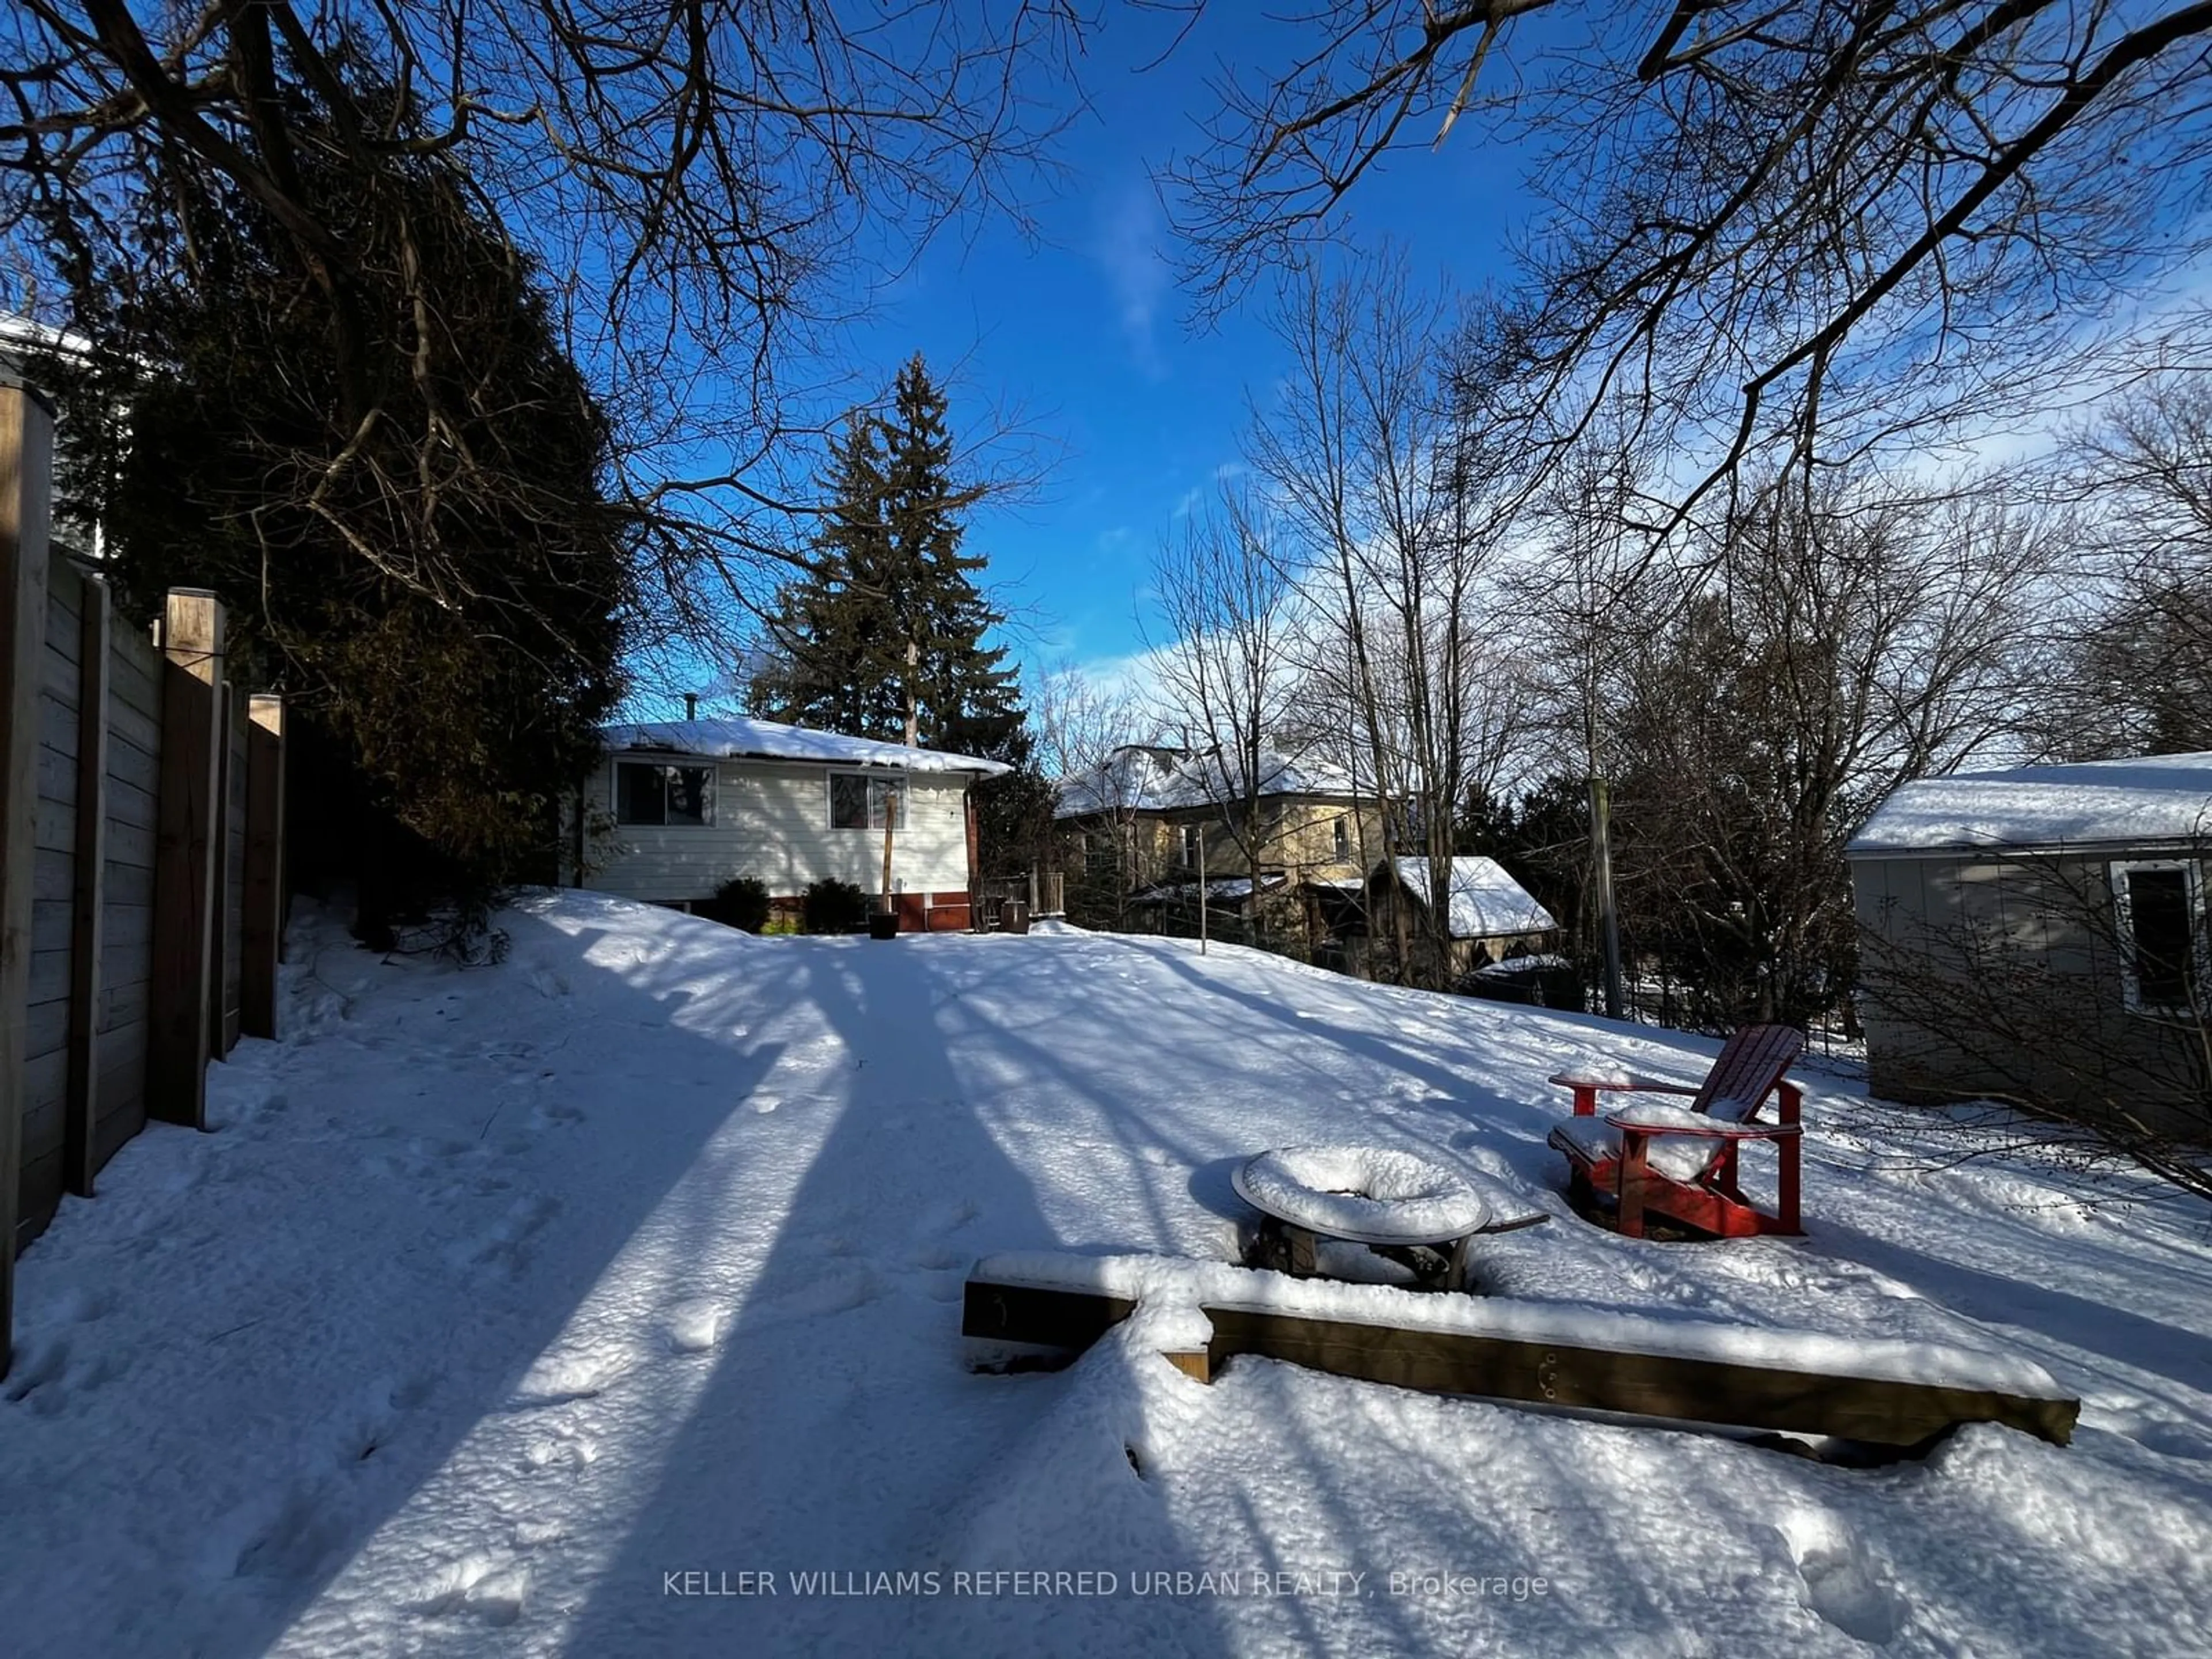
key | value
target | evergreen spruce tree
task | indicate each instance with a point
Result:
(885, 637)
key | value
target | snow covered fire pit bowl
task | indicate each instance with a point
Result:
(1402, 1207)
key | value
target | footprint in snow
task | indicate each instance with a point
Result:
(287, 1537)
(1842, 1583)
(557, 1379)
(563, 1448)
(504, 1244)
(477, 1585)
(839, 1290)
(38, 1378)
(696, 1326)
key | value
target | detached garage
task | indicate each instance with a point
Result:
(677, 808)
(2041, 935)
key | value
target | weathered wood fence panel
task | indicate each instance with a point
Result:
(126, 897)
(53, 902)
(26, 446)
(141, 894)
(80, 1128)
(189, 829)
(231, 908)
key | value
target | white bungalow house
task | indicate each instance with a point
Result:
(676, 809)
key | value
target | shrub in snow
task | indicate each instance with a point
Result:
(831, 906)
(741, 902)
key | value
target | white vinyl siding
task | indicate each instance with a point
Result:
(771, 821)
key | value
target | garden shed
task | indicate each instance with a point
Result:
(2040, 935)
(1489, 915)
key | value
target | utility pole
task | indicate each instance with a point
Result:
(1201, 887)
(1608, 919)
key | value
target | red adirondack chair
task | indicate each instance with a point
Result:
(1680, 1162)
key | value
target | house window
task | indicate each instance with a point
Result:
(646, 792)
(1101, 854)
(1343, 839)
(858, 801)
(2159, 906)
(1187, 846)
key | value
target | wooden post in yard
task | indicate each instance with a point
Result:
(27, 436)
(263, 897)
(186, 849)
(220, 898)
(88, 898)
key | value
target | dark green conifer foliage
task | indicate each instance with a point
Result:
(418, 553)
(888, 627)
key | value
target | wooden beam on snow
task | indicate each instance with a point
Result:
(1878, 1411)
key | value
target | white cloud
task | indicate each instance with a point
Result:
(1132, 249)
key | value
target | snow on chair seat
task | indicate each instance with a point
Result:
(1681, 1162)
(1593, 1140)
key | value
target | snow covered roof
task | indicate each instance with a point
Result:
(1484, 901)
(1143, 778)
(1222, 888)
(18, 331)
(2155, 798)
(732, 739)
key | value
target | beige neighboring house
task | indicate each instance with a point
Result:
(1490, 917)
(677, 808)
(2041, 935)
(1136, 829)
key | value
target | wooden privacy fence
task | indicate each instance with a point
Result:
(142, 888)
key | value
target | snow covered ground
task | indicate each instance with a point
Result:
(570, 1306)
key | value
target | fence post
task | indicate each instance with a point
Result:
(263, 897)
(81, 1109)
(185, 848)
(26, 452)
(220, 898)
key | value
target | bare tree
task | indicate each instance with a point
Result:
(690, 177)
(1086, 734)
(1766, 223)
(1401, 511)
(2139, 669)
(1883, 638)
(1227, 600)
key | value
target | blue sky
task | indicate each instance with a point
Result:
(1086, 331)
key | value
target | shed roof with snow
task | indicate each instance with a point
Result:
(1485, 902)
(2151, 800)
(751, 739)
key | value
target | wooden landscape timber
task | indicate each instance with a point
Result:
(1870, 1410)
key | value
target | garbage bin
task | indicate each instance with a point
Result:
(1014, 916)
(883, 924)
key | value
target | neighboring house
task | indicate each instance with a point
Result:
(1489, 916)
(2041, 935)
(19, 337)
(1135, 831)
(686, 805)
